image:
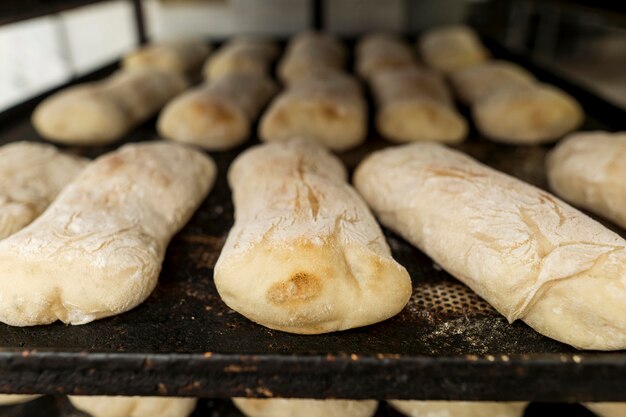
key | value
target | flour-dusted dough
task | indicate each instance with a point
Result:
(589, 170)
(217, 115)
(97, 250)
(182, 56)
(111, 406)
(31, 176)
(414, 105)
(104, 111)
(305, 254)
(527, 253)
(311, 51)
(526, 115)
(328, 108)
(449, 48)
(458, 408)
(9, 399)
(381, 52)
(607, 409)
(281, 407)
(249, 55)
(480, 81)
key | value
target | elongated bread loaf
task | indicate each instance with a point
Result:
(607, 409)
(183, 56)
(109, 406)
(104, 111)
(281, 407)
(381, 52)
(527, 253)
(311, 51)
(458, 408)
(589, 171)
(97, 250)
(527, 115)
(31, 176)
(305, 254)
(414, 105)
(328, 108)
(449, 48)
(253, 56)
(217, 115)
(482, 80)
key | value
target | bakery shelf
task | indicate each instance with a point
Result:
(183, 341)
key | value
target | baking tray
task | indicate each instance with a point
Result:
(183, 341)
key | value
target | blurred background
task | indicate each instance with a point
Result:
(581, 40)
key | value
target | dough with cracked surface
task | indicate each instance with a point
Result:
(311, 52)
(119, 406)
(530, 255)
(459, 408)
(217, 115)
(305, 255)
(588, 169)
(380, 52)
(287, 407)
(102, 112)
(31, 176)
(97, 250)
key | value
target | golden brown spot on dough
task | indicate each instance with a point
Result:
(113, 163)
(453, 173)
(212, 110)
(300, 288)
(329, 111)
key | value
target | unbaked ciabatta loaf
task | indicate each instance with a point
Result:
(459, 408)
(311, 51)
(589, 170)
(527, 253)
(217, 115)
(414, 104)
(449, 48)
(182, 56)
(381, 52)
(282, 407)
(97, 250)
(305, 255)
(31, 176)
(119, 406)
(248, 55)
(607, 409)
(326, 107)
(102, 112)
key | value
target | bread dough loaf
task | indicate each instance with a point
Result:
(527, 253)
(450, 48)
(31, 176)
(217, 115)
(105, 406)
(10, 399)
(414, 105)
(458, 408)
(102, 112)
(97, 250)
(589, 170)
(479, 81)
(305, 255)
(526, 115)
(311, 51)
(328, 108)
(249, 55)
(380, 52)
(182, 56)
(280, 407)
(607, 409)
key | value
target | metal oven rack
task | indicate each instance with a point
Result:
(447, 344)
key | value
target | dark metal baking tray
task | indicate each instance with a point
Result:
(446, 344)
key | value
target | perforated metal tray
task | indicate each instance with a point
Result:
(446, 344)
